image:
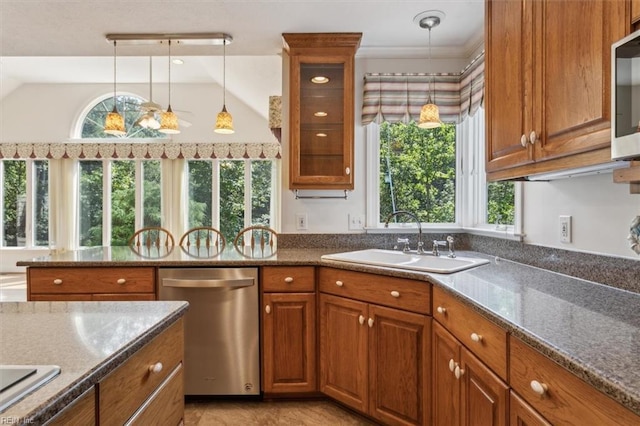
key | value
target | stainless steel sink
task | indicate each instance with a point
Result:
(17, 381)
(411, 261)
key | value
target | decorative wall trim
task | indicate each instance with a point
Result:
(139, 150)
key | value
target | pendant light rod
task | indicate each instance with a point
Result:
(202, 39)
(224, 74)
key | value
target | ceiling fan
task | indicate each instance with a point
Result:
(150, 111)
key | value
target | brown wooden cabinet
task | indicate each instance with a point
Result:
(465, 391)
(635, 11)
(80, 412)
(75, 283)
(548, 84)
(559, 395)
(289, 330)
(321, 109)
(374, 358)
(522, 414)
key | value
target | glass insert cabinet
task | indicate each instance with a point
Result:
(321, 109)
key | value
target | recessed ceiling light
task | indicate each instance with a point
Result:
(177, 61)
(319, 79)
(320, 114)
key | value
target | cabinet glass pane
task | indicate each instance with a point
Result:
(322, 119)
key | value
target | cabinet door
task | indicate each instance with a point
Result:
(509, 83)
(522, 414)
(343, 351)
(485, 397)
(446, 388)
(289, 342)
(635, 11)
(399, 360)
(576, 73)
(321, 109)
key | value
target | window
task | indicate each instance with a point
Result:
(418, 172)
(109, 207)
(242, 189)
(128, 106)
(438, 174)
(24, 203)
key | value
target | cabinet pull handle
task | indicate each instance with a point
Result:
(339, 283)
(459, 372)
(441, 310)
(347, 171)
(361, 319)
(476, 337)
(267, 309)
(539, 388)
(370, 322)
(155, 368)
(395, 293)
(121, 281)
(288, 280)
(532, 137)
(523, 140)
(57, 281)
(452, 365)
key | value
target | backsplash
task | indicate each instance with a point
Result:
(616, 272)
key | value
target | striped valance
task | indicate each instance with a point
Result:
(399, 97)
(142, 150)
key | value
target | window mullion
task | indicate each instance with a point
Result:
(106, 202)
(248, 205)
(139, 195)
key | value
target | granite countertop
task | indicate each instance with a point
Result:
(87, 340)
(591, 329)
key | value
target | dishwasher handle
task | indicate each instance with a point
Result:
(205, 283)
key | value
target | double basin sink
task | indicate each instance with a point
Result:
(408, 260)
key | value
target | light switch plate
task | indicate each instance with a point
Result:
(565, 229)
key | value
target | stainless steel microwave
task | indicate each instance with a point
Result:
(625, 98)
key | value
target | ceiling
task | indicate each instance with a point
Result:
(63, 41)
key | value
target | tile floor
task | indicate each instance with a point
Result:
(289, 413)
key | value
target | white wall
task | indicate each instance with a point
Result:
(601, 214)
(48, 112)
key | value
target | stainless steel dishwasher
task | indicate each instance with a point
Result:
(222, 351)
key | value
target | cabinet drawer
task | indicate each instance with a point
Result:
(126, 388)
(485, 339)
(567, 400)
(91, 280)
(398, 293)
(288, 278)
(166, 404)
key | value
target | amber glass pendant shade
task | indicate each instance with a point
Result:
(429, 117)
(224, 122)
(169, 122)
(114, 123)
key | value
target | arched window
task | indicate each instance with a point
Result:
(130, 106)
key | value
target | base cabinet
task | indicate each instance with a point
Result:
(522, 414)
(375, 359)
(289, 330)
(465, 391)
(80, 412)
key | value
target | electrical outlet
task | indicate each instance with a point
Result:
(565, 229)
(356, 222)
(302, 222)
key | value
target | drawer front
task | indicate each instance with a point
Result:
(398, 293)
(166, 404)
(485, 339)
(564, 399)
(288, 279)
(91, 280)
(125, 389)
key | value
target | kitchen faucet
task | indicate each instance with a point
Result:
(420, 249)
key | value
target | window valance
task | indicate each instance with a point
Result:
(399, 97)
(141, 150)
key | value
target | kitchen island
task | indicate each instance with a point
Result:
(91, 342)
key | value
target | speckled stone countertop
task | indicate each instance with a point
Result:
(591, 329)
(87, 340)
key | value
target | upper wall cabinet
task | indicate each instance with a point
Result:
(635, 12)
(321, 109)
(548, 86)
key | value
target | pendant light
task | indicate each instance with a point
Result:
(429, 114)
(224, 121)
(114, 123)
(168, 119)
